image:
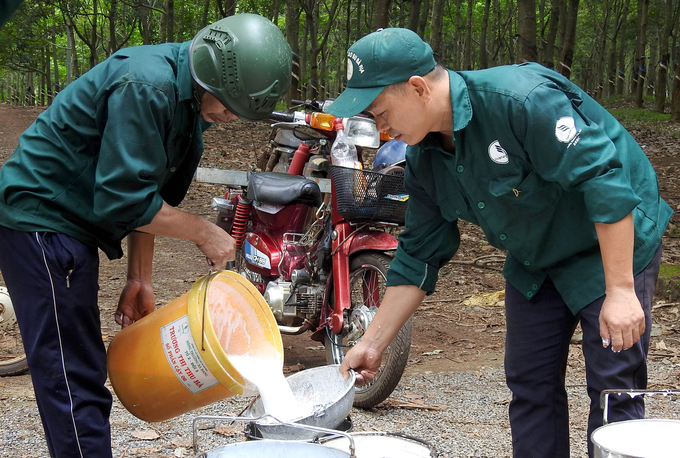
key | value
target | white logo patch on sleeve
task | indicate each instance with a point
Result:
(565, 130)
(497, 153)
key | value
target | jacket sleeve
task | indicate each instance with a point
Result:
(428, 242)
(132, 159)
(567, 147)
(7, 7)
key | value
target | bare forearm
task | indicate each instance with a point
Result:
(616, 245)
(171, 222)
(140, 256)
(213, 241)
(397, 306)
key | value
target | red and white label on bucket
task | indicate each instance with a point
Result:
(184, 357)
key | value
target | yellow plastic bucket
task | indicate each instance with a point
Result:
(176, 359)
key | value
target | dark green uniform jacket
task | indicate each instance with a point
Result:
(537, 162)
(114, 144)
(7, 7)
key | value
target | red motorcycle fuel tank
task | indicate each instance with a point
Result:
(262, 253)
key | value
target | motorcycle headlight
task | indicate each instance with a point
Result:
(362, 131)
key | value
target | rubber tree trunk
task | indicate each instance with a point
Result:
(527, 30)
(292, 22)
(553, 25)
(569, 39)
(483, 53)
(437, 21)
(664, 58)
(641, 46)
(620, 72)
(380, 15)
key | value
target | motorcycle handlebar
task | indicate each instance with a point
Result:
(282, 117)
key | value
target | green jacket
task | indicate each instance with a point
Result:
(537, 162)
(114, 144)
(7, 7)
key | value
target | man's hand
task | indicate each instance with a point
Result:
(622, 320)
(136, 301)
(365, 361)
(218, 247)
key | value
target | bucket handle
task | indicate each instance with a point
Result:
(206, 282)
(433, 452)
(352, 448)
(604, 398)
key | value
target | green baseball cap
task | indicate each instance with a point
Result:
(387, 56)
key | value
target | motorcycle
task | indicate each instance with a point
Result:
(316, 239)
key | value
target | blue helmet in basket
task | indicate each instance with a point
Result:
(391, 153)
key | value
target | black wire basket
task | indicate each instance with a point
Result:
(363, 196)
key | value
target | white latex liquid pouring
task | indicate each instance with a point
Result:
(277, 397)
(242, 338)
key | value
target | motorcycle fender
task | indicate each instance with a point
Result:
(261, 253)
(372, 240)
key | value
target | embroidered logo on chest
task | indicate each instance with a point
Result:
(497, 153)
(565, 130)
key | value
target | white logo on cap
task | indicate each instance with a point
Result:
(497, 153)
(357, 60)
(350, 69)
(565, 129)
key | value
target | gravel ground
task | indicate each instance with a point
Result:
(462, 414)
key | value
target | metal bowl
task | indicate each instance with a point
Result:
(324, 386)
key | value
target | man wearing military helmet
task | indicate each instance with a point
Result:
(111, 158)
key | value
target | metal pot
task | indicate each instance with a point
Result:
(273, 448)
(650, 438)
(279, 449)
(331, 395)
(376, 444)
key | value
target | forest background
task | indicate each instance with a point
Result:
(608, 47)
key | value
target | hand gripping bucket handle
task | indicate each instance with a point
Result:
(172, 361)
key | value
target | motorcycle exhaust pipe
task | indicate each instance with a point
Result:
(293, 330)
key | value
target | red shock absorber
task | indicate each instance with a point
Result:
(238, 230)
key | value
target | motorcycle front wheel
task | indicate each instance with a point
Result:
(12, 356)
(367, 285)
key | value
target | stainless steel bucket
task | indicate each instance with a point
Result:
(650, 438)
(331, 395)
(274, 448)
(381, 444)
(279, 449)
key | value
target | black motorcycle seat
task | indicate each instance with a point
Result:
(282, 189)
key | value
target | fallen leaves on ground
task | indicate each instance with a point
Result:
(496, 299)
(145, 434)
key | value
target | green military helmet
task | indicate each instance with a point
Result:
(245, 62)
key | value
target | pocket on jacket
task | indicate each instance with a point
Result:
(526, 193)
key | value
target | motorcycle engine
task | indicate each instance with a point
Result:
(293, 302)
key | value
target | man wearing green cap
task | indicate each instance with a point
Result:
(552, 178)
(112, 157)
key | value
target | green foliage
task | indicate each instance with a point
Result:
(669, 270)
(631, 116)
(39, 27)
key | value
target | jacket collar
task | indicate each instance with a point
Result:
(460, 101)
(184, 80)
